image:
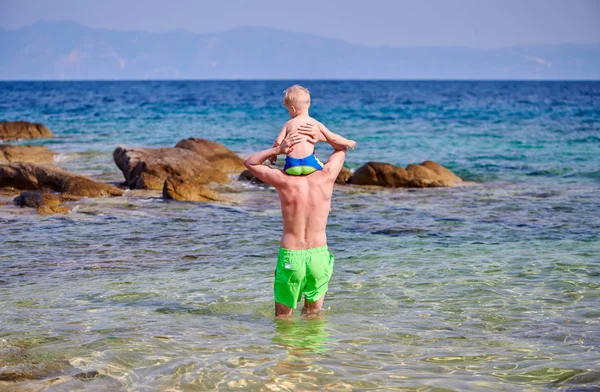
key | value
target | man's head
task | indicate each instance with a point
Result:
(296, 99)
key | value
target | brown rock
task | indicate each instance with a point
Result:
(33, 154)
(344, 177)
(46, 203)
(217, 154)
(10, 130)
(444, 175)
(427, 174)
(420, 176)
(148, 168)
(31, 176)
(177, 188)
(247, 175)
(382, 174)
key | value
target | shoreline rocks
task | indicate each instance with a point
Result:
(344, 177)
(217, 154)
(13, 130)
(31, 176)
(45, 203)
(149, 168)
(177, 188)
(30, 154)
(426, 174)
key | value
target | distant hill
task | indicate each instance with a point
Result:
(66, 50)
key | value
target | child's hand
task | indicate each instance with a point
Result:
(351, 144)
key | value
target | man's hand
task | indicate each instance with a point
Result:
(273, 159)
(312, 131)
(287, 145)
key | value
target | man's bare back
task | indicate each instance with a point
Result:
(305, 206)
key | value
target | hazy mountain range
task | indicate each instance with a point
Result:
(67, 50)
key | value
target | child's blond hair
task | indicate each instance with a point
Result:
(296, 96)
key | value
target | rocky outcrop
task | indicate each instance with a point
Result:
(148, 168)
(11, 130)
(427, 174)
(444, 175)
(33, 154)
(31, 176)
(217, 154)
(177, 188)
(247, 175)
(46, 203)
(344, 177)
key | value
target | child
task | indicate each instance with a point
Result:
(302, 160)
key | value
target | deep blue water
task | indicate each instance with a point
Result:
(488, 286)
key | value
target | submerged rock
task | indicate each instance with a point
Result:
(31, 176)
(46, 203)
(148, 168)
(19, 364)
(427, 174)
(217, 154)
(11, 130)
(32, 154)
(177, 188)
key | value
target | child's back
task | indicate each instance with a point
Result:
(304, 148)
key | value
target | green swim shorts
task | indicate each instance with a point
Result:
(300, 272)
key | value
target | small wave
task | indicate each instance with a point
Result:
(591, 174)
(396, 232)
(585, 140)
(62, 157)
(550, 172)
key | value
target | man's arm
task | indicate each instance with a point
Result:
(335, 163)
(280, 137)
(277, 143)
(267, 174)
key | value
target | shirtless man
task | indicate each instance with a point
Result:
(304, 265)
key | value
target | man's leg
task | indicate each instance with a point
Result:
(313, 307)
(319, 271)
(282, 311)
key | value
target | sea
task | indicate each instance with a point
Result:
(489, 286)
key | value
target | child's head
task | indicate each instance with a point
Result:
(296, 99)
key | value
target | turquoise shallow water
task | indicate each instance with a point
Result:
(494, 286)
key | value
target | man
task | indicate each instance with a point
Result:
(304, 265)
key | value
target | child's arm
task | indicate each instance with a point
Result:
(277, 142)
(336, 141)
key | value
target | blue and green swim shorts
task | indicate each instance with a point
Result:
(300, 272)
(302, 166)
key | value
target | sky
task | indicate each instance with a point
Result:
(471, 23)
